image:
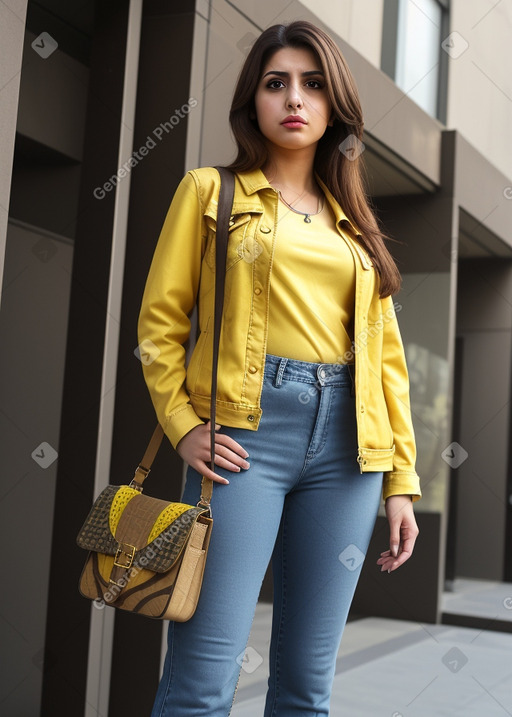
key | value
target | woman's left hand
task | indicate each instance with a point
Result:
(403, 532)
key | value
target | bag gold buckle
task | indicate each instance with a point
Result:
(135, 483)
(129, 554)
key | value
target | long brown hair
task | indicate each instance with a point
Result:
(343, 176)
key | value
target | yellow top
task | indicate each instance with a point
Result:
(183, 273)
(312, 289)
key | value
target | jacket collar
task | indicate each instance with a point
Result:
(254, 181)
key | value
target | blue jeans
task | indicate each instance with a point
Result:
(304, 503)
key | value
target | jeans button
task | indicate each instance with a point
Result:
(321, 373)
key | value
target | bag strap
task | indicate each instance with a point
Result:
(224, 207)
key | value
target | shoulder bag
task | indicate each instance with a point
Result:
(147, 555)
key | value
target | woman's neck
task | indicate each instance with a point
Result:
(292, 173)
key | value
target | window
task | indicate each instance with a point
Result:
(413, 31)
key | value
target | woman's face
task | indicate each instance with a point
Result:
(292, 84)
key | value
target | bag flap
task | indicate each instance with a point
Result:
(155, 530)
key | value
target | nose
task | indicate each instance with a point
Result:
(293, 98)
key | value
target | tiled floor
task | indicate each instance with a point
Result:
(395, 668)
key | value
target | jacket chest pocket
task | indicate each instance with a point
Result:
(241, 242)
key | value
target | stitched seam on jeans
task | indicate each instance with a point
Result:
(326, 422)
(236, 688)
(311, 454)
(281, 616)
(171, 672)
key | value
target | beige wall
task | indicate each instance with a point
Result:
(480, 81)
(358, 23)
(12, 30)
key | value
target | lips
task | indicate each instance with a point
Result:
(293, 121)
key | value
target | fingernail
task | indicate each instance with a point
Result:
(247, 465)
(226, 481)
(389, 570)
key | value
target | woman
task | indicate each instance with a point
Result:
(313, 395)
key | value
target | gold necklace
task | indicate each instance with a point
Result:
(307, 215)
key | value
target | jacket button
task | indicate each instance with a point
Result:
(252, 369)
(250, 418)
(362, 409)
(265, 229)
(257, 291)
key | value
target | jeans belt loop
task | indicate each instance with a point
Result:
(278, 380)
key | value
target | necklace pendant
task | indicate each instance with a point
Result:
(307, 219)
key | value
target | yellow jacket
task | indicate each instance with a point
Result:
(183, 272)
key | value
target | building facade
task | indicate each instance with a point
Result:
(104, 107)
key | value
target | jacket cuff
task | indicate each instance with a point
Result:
(180, 423)
(401, 483)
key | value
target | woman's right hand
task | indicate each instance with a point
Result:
(194, 448)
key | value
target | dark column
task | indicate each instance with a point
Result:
(507, 567)
(163, 87)
(68, 615)
(450, 572)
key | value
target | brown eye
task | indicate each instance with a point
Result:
(317, 84)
